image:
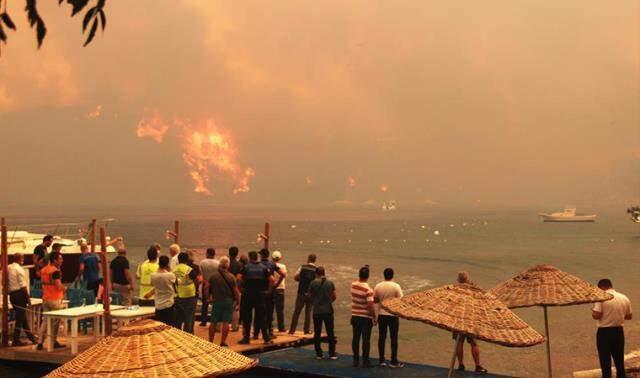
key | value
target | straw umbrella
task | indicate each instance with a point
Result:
(151, 349)
(545, 285)
(466, 309)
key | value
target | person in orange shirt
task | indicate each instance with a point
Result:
(52, 295)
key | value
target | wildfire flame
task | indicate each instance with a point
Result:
(384, 188)
(95, 113)
(351, 182)
(153, 128)
(205, 147)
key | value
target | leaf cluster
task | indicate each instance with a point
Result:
(93, 18)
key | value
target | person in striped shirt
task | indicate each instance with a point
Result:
(363, 317)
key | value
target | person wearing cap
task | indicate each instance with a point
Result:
(19, 298)
(272, 269)
(363, 317)
(174, 250)
(278, 295)
(611, 315)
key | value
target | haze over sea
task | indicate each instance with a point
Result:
(493, 244)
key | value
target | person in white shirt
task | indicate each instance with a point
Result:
(174, 251)
(611, 315)
(19, 298)
(208, 266)
(163, 282)
(278, 296)
(385, 290)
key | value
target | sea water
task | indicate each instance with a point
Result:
(426, 246)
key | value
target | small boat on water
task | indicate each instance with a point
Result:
(389, 206)
(634, 212)
(25, 242)
(568, 215)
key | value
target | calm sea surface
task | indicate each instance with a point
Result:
(492, 245)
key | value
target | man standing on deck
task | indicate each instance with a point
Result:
(234, 268)
(89, 270)
(208, 266)
(20, 300)
(174, 250)
(278, 295)
(269, 294)
(223, 291)
(144, 272)
(186, 300)
(385, 290)
(323, 293)
(52, 294)
(610, 337)
(163, 282)
(39, 254)
(255, 280)
(363, 317)
(305, 274)
(121, 280)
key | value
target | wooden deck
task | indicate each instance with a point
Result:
(60, 356)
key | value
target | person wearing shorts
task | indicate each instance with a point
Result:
(223, 293)
(463, 278)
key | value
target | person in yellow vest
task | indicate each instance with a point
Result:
(186, 299)
(143, 274)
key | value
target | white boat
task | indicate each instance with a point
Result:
(634, 212)
(389, 206)
(568, 215)
(70, 236)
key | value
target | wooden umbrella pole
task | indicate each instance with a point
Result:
(546, 334)
(107, 281)
(459, 339)
(176, 232)
(5, 286)
(267, 234)
(93, 235)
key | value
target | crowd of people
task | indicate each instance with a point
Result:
(248, 289)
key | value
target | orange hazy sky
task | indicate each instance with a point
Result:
(496, 102)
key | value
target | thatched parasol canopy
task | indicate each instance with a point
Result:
(545, 285)
(151, 349)
(468, 309)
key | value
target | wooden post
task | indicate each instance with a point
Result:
(459, 339)
(546, 333)
(5, 285)
(176, 232)
(107, 281)
(267, 235)
(93, 235)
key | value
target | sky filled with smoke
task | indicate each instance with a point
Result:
(325, 102)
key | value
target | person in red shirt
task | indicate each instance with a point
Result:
(52, 295)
